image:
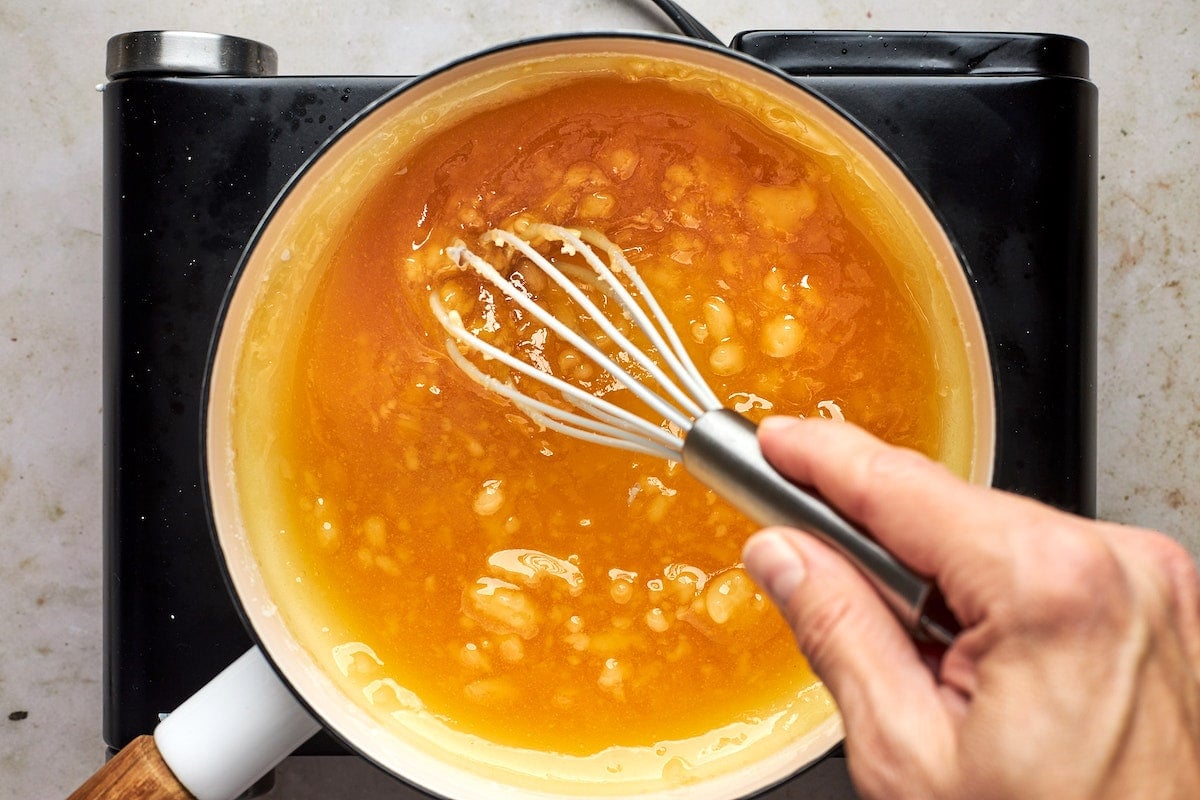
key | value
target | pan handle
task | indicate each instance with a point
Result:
(137, 772)
(215, 745)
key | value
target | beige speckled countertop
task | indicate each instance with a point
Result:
(1145, 60)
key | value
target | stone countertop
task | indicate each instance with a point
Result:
(1145, 60)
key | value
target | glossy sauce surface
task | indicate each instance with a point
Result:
(537, 591)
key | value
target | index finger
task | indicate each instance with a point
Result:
(935, 522)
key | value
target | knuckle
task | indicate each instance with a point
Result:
(1178, 563)
(1073, 575)
(1174, 575)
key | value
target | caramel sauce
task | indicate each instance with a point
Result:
(530, 589)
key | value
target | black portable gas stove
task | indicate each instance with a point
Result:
(998, 131)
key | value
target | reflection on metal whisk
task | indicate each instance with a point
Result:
(716, 445)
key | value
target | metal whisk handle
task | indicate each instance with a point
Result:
(722, 451)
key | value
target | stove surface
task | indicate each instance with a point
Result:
(997, 130)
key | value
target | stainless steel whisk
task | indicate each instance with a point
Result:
(715, 444)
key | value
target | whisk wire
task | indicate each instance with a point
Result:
(617, 427)
(621, 295)
(461, 253)
(616, 290)
(672, 351)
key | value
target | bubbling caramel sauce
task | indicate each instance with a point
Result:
(539, 592)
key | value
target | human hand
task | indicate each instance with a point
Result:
(1076, 675)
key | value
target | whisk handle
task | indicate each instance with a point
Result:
(722, 451)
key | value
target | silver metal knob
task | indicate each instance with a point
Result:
(149, 53)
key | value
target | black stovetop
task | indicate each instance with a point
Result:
(998, 131)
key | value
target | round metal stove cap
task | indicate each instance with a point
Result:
(149, 53)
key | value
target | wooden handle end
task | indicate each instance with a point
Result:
(138, 772)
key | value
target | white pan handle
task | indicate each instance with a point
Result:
(234, 730)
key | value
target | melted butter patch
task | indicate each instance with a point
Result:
(501, 608)
(676, 770)
(391, 697)
(744, 402)
(354, 656)
(531, 567)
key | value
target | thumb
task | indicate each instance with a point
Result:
(849, 635)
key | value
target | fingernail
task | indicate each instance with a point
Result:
(775, 564)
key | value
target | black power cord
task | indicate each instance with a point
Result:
(687, 24)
